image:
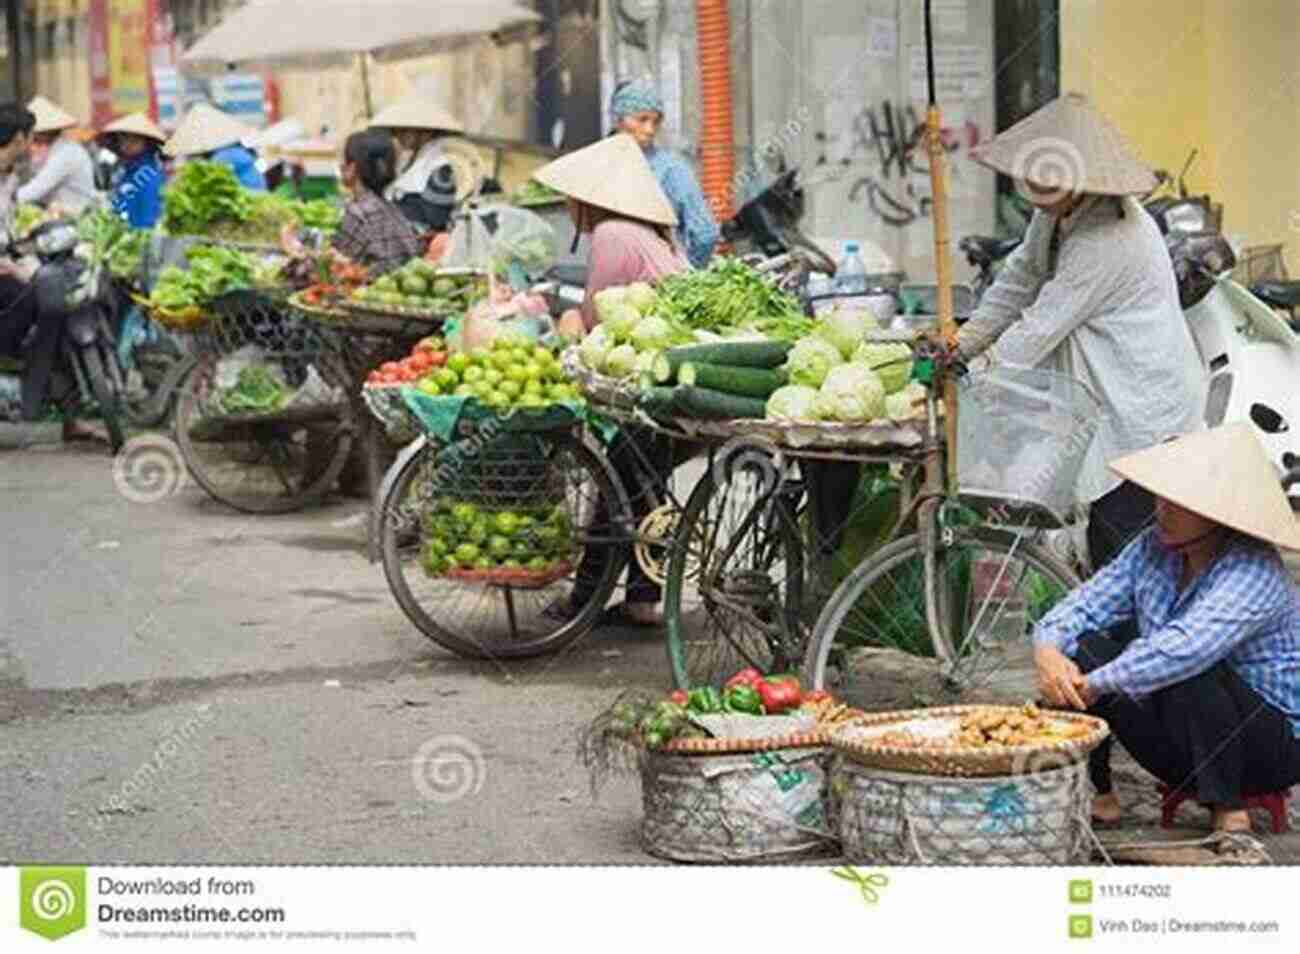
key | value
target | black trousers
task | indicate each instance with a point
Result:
(1211, 735)
(644, 461)
(18, 313)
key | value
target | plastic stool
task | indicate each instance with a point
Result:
(1272, 802)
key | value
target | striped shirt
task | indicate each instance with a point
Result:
(1243, 609)
(375, 234)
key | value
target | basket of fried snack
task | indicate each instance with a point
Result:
(969, 741)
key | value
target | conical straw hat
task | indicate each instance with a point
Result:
(205, 129)
(136, 124)
(416, 112)
(1222, 474)
(612, 174)
(49, 117)
(1067, 146)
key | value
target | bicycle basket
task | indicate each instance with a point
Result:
(1022, 437)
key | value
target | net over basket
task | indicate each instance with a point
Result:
(1022, 437)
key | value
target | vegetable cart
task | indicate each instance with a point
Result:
(260, 422)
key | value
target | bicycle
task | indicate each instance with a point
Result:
(966, 586)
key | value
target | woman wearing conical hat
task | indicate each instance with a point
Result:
(208, 133)
(425, 187)
(1207, 696)
(66, 178)
(138, 179)
(614, 197)
(1091, 293)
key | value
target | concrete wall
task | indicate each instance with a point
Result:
(1222, 76)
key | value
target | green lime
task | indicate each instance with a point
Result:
(510, 389)
(414, 286)
(543, 356)
(466, 554)
(447, 379)
(458, 362)
(473, 374)
(558, 392)
(479, 531)
(538, 564)
(517, 372)
(429, 385)
(485, 563)
(437, 546)
(464, 512)
(501, 359)
(532, 401)
(512, 564)
(535, 387)
(533, 370)
(525, 523)
(493, 376)
(499, 546)
(464, 390)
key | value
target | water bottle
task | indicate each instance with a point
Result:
(851, 273)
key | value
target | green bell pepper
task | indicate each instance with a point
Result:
(744, 699)
(705, 700)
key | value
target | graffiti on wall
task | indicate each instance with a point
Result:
(890, 139)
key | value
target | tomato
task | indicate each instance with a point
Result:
(678, 697)
(389, 367)
(421, 361)
(437, 358)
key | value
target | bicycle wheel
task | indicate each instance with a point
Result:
(734, 594)
(265, 467)
(107, 395)
(496, 620)
(992, 587)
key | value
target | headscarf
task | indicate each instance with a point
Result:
(634, 96)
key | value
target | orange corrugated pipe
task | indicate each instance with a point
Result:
(717, 142)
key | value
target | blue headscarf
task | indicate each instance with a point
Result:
(634, 96)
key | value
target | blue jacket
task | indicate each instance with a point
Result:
(696, 228)
(244, 164)
(137, 191)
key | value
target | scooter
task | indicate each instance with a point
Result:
(1251, 355)
(86, 369)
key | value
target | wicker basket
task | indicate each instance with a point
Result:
(894, 818)
(750, 807)
(855, 742)
(518, 579)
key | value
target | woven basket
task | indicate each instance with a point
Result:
(895, 818)
(756, 807)
(944, 760)
(517, 578)
(801, 740)
(349, 320)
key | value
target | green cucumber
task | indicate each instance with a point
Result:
(658, 402)
(744, 382)
(705, 404)
(736, 354)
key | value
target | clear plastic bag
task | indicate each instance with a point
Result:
(515, 245)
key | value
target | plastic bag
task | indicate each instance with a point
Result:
(502, 310)
(515, 245)
(11, 397)
(228, 368)
(315, 392)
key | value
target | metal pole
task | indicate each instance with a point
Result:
(13, 10)
(365, 84)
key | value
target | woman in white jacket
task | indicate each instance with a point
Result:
(425, 187)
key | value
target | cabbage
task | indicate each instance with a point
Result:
(794, 402)
(850, 393)
(621, 361)
(845, 329)
(899, 405)
(619, 320)
(810, 360)
(645, 361)
(652, 334)
(594, 349)
(892, 362)
(607, 298)
(640, 296)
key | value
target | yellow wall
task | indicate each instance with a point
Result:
(1221, 76)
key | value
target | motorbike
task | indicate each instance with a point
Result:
(86, 369)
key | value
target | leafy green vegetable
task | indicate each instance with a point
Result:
(730, 295)
(202, 194)
(810, 360)
(845, 328)
(794, 402)
(258, 391)
(213, 272)
(851, 393)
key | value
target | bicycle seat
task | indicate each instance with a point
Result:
(985, 249)
(1278, 294)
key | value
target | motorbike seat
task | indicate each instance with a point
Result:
(1278, 294)
(985, 249)
(575, 275)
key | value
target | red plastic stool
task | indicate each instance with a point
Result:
(1272, 802)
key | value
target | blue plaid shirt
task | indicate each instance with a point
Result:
(1244, 609)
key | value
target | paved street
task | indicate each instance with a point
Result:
(180, 682)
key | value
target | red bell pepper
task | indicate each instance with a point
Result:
(779, 697)
(746, 677)
(678, 697)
